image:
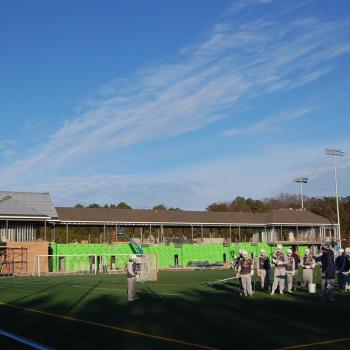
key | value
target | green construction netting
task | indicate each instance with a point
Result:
(169, 255)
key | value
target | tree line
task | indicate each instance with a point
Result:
(123, 205)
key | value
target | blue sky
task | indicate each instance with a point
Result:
(175, 102)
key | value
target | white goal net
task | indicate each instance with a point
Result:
(147, 267)
(93, 264)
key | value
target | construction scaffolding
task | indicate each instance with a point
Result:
(13, 261)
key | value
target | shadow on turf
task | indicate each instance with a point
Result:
(213, 316)
(225, 287)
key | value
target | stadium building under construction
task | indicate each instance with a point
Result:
(31, 226)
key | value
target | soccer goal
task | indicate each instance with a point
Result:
(147, 267)
(93, 264)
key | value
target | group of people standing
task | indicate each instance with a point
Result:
(285, 276)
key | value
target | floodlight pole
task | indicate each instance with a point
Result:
(301, 180)
(336, 153)
(301, 195)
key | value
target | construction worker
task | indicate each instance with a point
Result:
(290, 270)
(131, 273)
(328, 272)
(279, 277)
(245, 271)
(340, 261)
(296, 263)
(308, 264)
(263, 270)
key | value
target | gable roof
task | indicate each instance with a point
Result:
(285, 216)
(144, 216)
(27, 204)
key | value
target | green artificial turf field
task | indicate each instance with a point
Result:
(92, 312)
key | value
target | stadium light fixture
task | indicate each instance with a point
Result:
(301, 180)
(335, 152)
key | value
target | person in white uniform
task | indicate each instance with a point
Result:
(245, 271)
(308, 264)
(290, 270)
(279, 276)
(131, 276)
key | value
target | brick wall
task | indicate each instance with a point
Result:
(33, 249)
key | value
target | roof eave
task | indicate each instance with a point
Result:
(182, 223)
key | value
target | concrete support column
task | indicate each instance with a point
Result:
(7, 230)
(67, 233)
(162, 233)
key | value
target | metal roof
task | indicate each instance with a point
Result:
(108, 215)
(28, 204)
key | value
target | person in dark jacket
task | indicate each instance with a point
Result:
(296, 258)
(346, 272)
(328, 272)
(236, 263)
(340, 261)
(263, 270)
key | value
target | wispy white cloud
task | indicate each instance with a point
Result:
(236, 63)
(240, 5)
(7, 148)
(270, 123)
(265, 173)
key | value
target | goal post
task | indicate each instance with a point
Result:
(147, 266)
(92, 264)
(66, 264)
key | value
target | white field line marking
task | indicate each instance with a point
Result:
(23, 285)
(23, 340)
(124, 290)
(114, 328)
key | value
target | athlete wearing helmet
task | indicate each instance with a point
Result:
(290, 270)
(308, 264)
(245, 271)
(279, 277)
(131, 273)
